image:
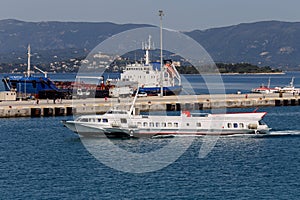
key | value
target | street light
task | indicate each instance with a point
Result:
(161, 14)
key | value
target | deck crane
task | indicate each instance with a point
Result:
(45, 73)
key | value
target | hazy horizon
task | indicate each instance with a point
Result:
(145, 23)
(179, 15)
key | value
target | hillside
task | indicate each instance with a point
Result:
(269, 43)
(15, 35)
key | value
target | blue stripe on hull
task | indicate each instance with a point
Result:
(166, 90)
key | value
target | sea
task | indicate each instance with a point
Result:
(42, 159)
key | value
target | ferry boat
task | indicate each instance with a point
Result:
(125, 124)
(120, 124)
(151, 78)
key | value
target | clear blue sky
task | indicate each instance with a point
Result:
(181, 15)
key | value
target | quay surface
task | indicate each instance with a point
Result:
(154, 103)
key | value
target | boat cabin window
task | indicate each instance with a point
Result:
(235, 125)
(139, 123)
(99, 120)
(175, 124)
(151, 124)
(169, 124)
(91, 120)
(241, 125)
(163, 124)
(123, 120)
(145, 124)
(198, 124)
(157, 124)
(187, 124)
(229, 125)
(105, 120)
(84, 120)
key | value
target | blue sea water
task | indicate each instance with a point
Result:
(41, 159)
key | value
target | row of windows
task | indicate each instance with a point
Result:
(157, 124)
(104, 120)
(139, 68)
(163, 124)
(130, 77)
(235, 125)
(175, 124)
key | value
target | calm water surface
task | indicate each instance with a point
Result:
(41, 159)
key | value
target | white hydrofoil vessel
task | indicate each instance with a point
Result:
(122, 123)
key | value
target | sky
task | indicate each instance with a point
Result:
(182, 15)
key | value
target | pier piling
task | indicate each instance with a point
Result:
(36, 112)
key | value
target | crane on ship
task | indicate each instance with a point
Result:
(44, 72)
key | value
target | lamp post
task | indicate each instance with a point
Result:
(161, 14)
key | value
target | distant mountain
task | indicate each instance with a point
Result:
(271, 43)
(16, 35)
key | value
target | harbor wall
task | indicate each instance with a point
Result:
(169, 103)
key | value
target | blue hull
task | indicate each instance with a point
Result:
(35, 86)
(173, 90)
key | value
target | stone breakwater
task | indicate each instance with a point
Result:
(46, 108)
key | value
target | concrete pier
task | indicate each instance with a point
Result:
(46, 108)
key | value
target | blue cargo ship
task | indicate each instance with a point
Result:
(28, 85)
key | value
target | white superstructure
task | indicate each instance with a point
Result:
(289, 88)
(148, 75)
